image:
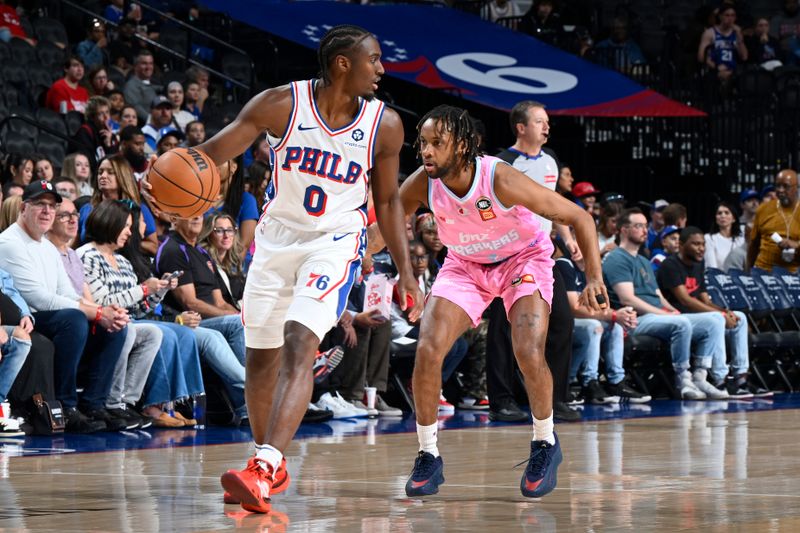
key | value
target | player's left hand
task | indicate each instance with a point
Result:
(595, 290)
(408, 286)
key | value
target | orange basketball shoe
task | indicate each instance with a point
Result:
(253, 486)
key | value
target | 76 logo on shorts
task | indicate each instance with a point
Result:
(320, 281)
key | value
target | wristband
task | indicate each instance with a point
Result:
(97, 316)
(145, 290)
(179, 319)
(613, 317)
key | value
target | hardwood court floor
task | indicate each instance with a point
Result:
(702, 470)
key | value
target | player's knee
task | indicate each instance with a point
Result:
(429, 353)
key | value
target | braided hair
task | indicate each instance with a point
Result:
(339, 40)
(459, 125)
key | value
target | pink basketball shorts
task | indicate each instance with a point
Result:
(472, 286)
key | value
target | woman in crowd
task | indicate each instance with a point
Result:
(97, 82)
(179, 114)
(220, 239)
(428, 232)
(193, 99)
(18, 169)
(128, 117)
(725, 236)
(115, 181)
(9, 211)
(43, 168)
(234, 199)
(607, 227)
(77, 167)
(174, 373)
(259, 176)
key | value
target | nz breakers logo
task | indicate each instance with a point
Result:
(198, 159)
(484, 206)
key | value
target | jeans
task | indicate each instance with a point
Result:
(588, 337)
(218, 355)
(175, 372)
(454, 356)
(706, 331)
(15, 351)
(231, 328)
(740, 359)
(130, 375)
(69, 331)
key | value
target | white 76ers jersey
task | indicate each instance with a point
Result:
(320, 176)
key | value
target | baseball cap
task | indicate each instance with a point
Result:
(583, 188)
(660, 204)
(35, 189)
(747, 194)
(669, 230)
(170, 130)
(159, 101)
(766, 190)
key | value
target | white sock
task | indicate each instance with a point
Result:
(427, 439)
(268, 454)
(543, 429)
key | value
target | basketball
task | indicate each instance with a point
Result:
(185, 182)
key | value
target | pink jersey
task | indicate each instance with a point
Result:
(478, 227)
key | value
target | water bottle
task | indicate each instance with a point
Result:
(199, 410)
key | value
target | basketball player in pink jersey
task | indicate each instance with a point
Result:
(485, 212)
(329, 137)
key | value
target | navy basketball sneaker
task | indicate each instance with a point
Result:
(540, 475)
(427, 475)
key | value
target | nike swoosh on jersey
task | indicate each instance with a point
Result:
(340, 237)
(301, 128)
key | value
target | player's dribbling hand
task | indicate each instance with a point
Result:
(407, 287)
(594, 295)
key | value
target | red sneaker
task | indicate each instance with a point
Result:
(253, 486)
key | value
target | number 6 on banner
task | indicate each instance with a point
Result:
(315, 200)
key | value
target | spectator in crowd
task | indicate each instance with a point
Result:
(656, 223)
(619, 51)
(182, 347)
(221, 240)
(565, 179)
(669, 242)
(66, 187)
(768, 193)
(18, 169)
(169, 139)
(179, 114)
(682, 281)
(259, 176)
(98, 83)
(194, 99)
(260, 149)
(631, 283)
(722, 46)
(117, 102)
(132, 143)
(675, 215)
(586, 194)
(748, 202)
(786, 27)
(76, 167)
(96, 131)
(128, 117)
(92, 50)
(15, 343)
(596, 332)
(67, 93)
(115, 181)
(542, 21)
(125, 46)
(607, 228)
(428, 232)
(195, 133)
(159, 121)
(764, 49)
(12, 189)
(42, 168)
(775, 237)
(9, 211)
(234, 199)
(11, 26)
(140, 89)
(61, 314)
(497, 9)
(725, 236)
(115, 11)
(198, 289)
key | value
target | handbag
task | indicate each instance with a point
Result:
(47, 417)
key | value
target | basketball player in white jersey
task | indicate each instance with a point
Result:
(329, 138)
(485, 211)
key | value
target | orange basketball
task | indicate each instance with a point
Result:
(185, 182)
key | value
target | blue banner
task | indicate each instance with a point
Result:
(447, 49)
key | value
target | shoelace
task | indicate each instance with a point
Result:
(537, 462)
(424, 465)
(256, 466)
